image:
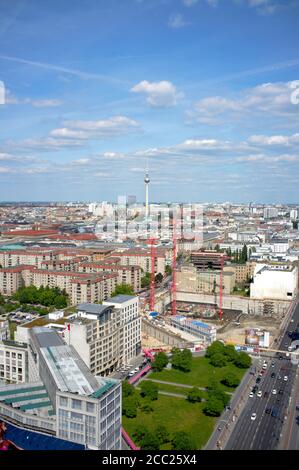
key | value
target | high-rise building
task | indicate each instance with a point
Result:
(131, 200)
(59, 395)
(270, 212)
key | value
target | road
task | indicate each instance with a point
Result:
(264, 433)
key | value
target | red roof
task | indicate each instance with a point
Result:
(29, 233)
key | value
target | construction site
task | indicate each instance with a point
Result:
(229, 315)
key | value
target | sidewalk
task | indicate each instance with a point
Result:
(227, 420)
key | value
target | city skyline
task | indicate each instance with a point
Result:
(205, 91)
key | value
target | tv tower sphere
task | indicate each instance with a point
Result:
(146, 179)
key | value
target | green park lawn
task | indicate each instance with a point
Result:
(176, 414)
(202, 372)
(175, 389)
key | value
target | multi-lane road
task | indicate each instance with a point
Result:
(265, 431)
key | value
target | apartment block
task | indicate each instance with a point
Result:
(142, 258)
(190, 279)
(125, 274)
(13, 362)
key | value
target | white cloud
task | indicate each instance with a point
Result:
(159, 94)
(268, 99)
(177, 21)
(38, 103)
(190, 3)
(113, 126)
(274, 140)
(43, 144)
(49, 103)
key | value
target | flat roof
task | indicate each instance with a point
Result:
(92, 308)
(121, 298)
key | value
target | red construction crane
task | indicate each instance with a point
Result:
(223, 257)
(221, 289)
(152, 242)
(174, 256)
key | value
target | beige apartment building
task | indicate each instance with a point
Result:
(142, 259)
(28, 257)
(243, 272)
(189, 279)
(125, 274)
(80, 287)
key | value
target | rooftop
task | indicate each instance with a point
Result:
(121, 298)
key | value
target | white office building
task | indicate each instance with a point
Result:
(274, 281)
(128, 306)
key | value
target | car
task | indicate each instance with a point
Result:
(274, 413)
(297, 419)
(274, 391)
(280, 357)
(251, 395)
(285, 378)
(280, 392)
(262, 372)
(268, 411)
(219, 428)
(279, 377)
(259, 394)
(265, 366)
(297, 407)
(266, 394)
(273, 375)
(253, 416)
(258, 380)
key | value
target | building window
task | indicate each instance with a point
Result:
(76, 404)
(63, 401)
(90, 407)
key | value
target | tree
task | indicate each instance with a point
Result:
(183, 441)
(146, 407)
(159, 278)
(194, 395)
(231, 380)
(149, 390)
(2, 300)
(150, 442)
(243, 360)
(145, 280)
(161, 361)
(162, 434)
(214, 391)
(129, 408)
(125, 289)
(230, 352)
(140, 432)
(60, 302)
(218, 360)
(127, 389)
(181, 360)
(168, 270)
(215, 347)
(186, 360)
(213, 407)
(244, 254)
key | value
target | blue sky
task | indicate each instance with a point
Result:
(205, 91)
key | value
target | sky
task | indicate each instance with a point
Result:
(205, 93)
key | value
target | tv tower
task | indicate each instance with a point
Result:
(147, 181)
